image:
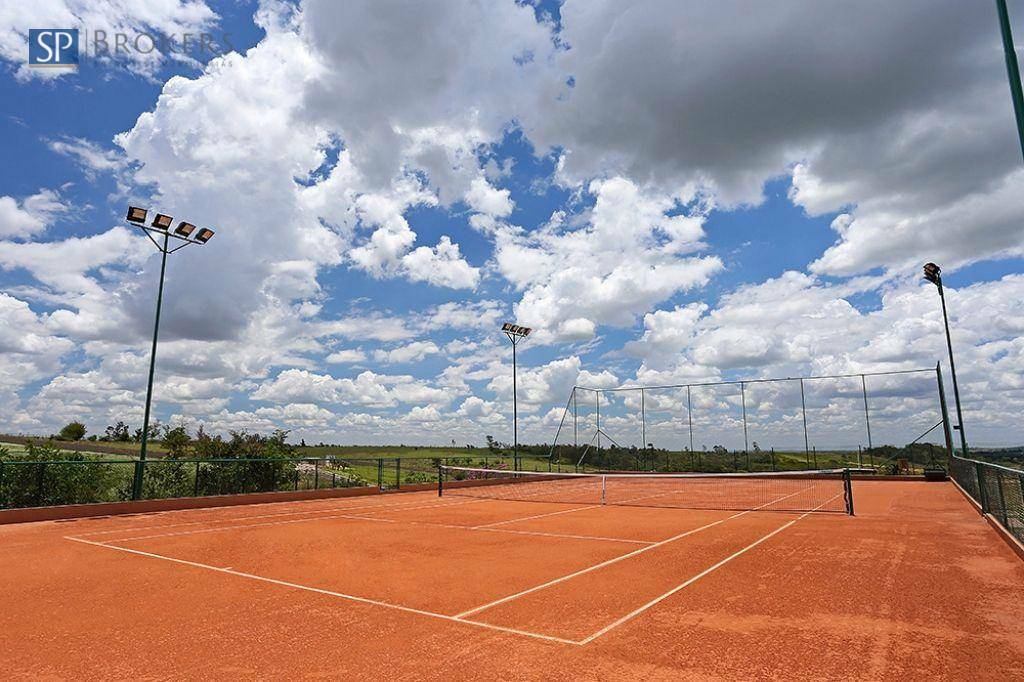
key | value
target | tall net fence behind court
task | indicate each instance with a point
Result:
(811, 491)
(889, 421)
(998, 490)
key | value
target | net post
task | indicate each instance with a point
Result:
(848, 491)
(440, 480)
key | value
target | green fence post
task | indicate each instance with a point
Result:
(380, 475)
(137, 481)
(3, 498)
(398, 474)
(316, 474)
(195, 483)
(982, 495)
(1002, 499)
(40, 483)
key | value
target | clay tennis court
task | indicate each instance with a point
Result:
(416, 586)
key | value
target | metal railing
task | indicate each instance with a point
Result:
(37, 483)
(998, 490)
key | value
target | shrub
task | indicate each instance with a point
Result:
(73, 431)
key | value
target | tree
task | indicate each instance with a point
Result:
(118, 432)
(154, 432)
(73, 431)
(176, 440)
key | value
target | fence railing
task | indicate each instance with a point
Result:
(998, 490)
(35, 483)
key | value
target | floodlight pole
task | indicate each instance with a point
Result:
(137, 482)
(1012, 71)
(161, 226)
(515, 406)
(933, 275)
(515, 334)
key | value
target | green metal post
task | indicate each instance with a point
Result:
(945, 414)
(1012, 72)
(982, 493)
(40, 483)
(1002, 499)
(140, 465)
(952, 371)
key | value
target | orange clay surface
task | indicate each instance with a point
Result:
(412, 586)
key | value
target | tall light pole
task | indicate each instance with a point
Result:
(1012, 71)
(933, 273)
(161, 227)
(515, 334)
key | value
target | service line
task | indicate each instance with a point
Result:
(330, 593)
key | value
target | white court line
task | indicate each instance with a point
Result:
(536, 516)
(257, 516)
(613, 561)
(486, 529)
(330, 593)
(275, 523)
(636, 612)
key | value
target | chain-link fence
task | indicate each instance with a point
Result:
(998, 490)
(892, 421)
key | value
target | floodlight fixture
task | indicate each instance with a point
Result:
(162, 222)
(204, 235)
(933, 273)
(136, 215)
(184, 229)
(515, 329)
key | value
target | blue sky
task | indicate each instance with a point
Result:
(664, 204)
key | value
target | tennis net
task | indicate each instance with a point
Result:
(826, 490)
